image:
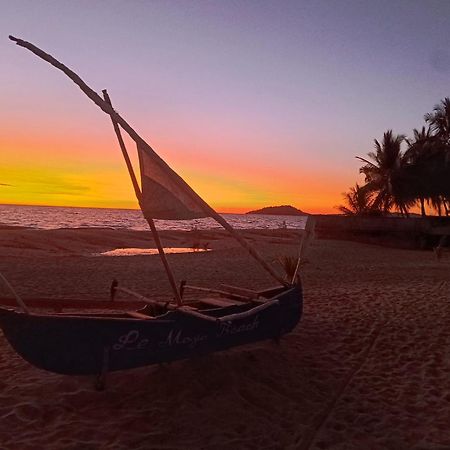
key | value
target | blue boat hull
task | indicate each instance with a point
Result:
(83, 344)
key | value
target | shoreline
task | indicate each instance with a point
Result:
(20, 241)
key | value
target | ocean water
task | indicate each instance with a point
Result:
(52, 217)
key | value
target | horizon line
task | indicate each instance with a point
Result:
(90, 207)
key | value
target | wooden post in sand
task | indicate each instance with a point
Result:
(138, 193)
(309, 230)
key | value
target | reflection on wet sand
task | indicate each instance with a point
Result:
(149, 251)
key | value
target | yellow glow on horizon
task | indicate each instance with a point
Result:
(57, 171)
(97, 187)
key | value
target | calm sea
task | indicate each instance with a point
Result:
(51, 217)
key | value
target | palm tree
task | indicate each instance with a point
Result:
(427, 170)
(359, 202)
(385, 173)
(439, 119)
(418, 146)
(418, 160)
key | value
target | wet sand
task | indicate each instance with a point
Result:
(367, 367)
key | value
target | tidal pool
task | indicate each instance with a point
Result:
(149, 251)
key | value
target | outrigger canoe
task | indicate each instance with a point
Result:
(92, 344)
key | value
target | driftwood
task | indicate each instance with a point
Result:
(108, 109)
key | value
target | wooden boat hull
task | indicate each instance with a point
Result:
(89, 344)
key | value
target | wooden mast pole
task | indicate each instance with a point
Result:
(138, 193)
(108, 109)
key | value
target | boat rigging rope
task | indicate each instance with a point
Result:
(20, 302)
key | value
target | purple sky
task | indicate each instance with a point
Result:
(294, 85)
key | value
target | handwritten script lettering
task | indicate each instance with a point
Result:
(229, 328)
(177, 338)
(131, 341)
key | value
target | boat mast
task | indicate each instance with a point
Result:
(108, 109)
(138, 193)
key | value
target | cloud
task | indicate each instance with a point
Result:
(5, 184)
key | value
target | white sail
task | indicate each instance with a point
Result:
(163, 195)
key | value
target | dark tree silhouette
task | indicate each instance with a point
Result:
(384, 171)
(439, 119)
(359, 202)
(420, 175)
(418, 165)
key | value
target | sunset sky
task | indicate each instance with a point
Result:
(254, 103)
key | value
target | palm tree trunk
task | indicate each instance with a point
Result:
(422, 207)
(446, 204)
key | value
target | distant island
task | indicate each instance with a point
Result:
(283, 210)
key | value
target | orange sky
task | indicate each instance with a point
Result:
(70, 170)
(69, 156)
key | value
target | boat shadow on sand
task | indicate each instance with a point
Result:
(257, 390)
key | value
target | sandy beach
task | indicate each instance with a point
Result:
(367, 367)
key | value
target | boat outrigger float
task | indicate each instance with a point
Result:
(96, 343)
